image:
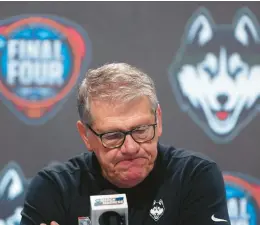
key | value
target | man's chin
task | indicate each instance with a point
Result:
(129, 183)
(127, 177)
(130, 179)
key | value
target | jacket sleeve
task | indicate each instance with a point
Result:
(43, 201)
(205, 200)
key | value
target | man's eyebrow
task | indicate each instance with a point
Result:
(108, 130)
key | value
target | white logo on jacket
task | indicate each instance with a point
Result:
(157, 210)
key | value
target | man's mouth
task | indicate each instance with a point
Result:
(133, 161)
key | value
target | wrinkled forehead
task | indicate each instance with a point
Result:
(119, 114)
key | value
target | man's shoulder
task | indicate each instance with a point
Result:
(170, 152)
(72, 165)
(184, 160)
(69, 171)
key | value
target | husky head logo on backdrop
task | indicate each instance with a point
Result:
(13, 186)
(41, 60)
(243, 198)
(216, 74)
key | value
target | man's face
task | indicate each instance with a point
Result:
(129, 164)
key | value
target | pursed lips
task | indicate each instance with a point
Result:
(130, 160)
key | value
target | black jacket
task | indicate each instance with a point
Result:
(184, 188)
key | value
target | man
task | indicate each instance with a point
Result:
(120, 124)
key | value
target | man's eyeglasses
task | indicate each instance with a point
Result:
(116, 139)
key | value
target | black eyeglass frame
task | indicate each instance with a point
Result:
(125, 133)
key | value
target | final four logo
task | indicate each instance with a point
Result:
(41, 60)
(243, 199)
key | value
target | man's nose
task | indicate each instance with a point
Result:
(130, 146)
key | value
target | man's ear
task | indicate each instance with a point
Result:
(159, 120)
(84, 134)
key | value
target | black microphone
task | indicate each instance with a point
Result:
(111, 218)
(108, 192)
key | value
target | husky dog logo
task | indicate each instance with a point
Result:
(215, 76)
(157, 210)
(41, 59)
(13, 187)
(243, 198)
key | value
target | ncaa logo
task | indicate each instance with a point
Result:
(243, 199)
(215, 76)
(42, 58)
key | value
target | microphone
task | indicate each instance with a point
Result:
(109, 208)
(111, 217)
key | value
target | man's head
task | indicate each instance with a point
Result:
(120, 121)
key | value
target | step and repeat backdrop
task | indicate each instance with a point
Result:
(203, 56)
